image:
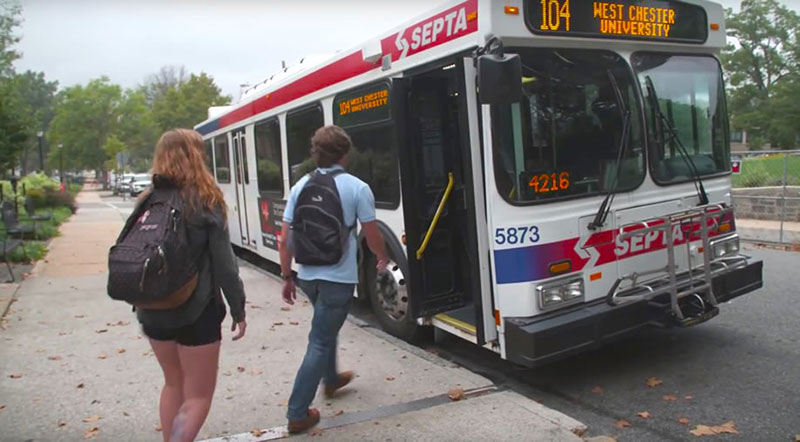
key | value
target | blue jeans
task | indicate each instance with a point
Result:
(331, 301)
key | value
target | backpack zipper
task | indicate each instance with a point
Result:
(144, 273)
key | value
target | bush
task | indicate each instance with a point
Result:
(37, 198)
(34, 251)
(54, 198)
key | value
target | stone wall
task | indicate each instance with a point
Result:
(749, 204)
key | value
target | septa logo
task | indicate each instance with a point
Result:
(448, 25)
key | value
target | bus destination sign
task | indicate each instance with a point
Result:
(630, 19)
(369, 104)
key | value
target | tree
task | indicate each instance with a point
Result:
(167, 78)
(763, 55)
(15, 127)
(187, 104)
(137, 129)
(36, 97)
(9, 20)
(85, 116)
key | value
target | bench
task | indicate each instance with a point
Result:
(31, 215)
(9, 244)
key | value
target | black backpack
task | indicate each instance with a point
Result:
(318, 233)
(151, 265)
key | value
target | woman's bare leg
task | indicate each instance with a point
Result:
(172, 393)
(199, 366)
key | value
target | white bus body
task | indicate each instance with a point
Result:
(620, 98)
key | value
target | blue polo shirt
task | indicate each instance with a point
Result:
(357, 203)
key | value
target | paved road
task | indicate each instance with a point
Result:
(742, 366)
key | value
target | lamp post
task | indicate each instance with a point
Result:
(61, 163)
(40, 134)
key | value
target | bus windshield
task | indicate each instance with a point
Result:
(689, 93)
(565, 139)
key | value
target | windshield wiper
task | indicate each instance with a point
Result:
(662, 121)
(605, 207)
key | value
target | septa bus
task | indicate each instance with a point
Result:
(549, 174)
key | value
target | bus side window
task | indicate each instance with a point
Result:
(209, 155)
(365, 113)
(223, 160)
(300, 127)
(269, 157)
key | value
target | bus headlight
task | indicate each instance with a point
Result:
(560, 292)
(724, 247)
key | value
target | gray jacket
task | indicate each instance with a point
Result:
(209, 240)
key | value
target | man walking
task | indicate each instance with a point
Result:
(320, 217)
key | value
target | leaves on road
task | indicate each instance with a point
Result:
(389, 378)
(102, 356)
(226, 373)
(256, 432)
(797, 438)
(683, 421)
(644, 414)
(80, 385)
(277, 323)
(240, 369)
(294, 323)
(117, 324)
(597, 390)
(255, 372)
(61, 424)
(91, 433)
(622, 423)
(653, 382)
(94, 418)
(286, 308)
(101, 330)
(80, 316)
(121, 350)
(315, 432)
(338, 412)
(456, 394)
(54, 358)
(2, 407)
(688, 397)
(15, 375)
(670, 398)
(705, 430)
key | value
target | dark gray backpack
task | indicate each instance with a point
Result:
(151, 265)
(319, 235)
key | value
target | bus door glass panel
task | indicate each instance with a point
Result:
(242, 181)
(433, 139)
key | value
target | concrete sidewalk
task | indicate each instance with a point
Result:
(72, 360)
(765, 230)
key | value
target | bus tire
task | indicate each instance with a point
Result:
(387, 292)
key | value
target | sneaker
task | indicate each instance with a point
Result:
(345, 378)
(304, 424)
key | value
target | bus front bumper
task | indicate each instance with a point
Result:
(540, 340)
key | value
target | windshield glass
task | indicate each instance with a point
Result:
(564, 138)
(689, 92)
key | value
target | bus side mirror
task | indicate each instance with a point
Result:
(499, 78)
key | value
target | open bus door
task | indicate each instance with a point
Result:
(437, 166)
(242, 182)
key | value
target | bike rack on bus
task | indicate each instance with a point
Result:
(696, 280)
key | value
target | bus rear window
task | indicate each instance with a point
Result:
(565, 139)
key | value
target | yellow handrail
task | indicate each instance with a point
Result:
(435, 221)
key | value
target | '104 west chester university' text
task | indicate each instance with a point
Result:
(610, 18)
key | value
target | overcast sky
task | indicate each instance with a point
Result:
(235, 41)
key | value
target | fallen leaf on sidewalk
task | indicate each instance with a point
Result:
(286, 308)
(61, 424)
(240, 369)
(255, 306)
(15, 375)
(157, 427)
(80, 385)
(256, 432)
(117, 324)
(277, 323)
(726, 428)
(2, 407)
(226, 373)
(94, 418)
(102, 356)
(683, 421)
(389, 378)
(688, 397)
(654, 382)
(294, 323)
(338, 412)
(95, 401)
(670, 398)
(456, 394)
(703, 430)
(63, 333)
(91, 433)
(622, 423)
(315, 432)
(101, 330)
(54, 358)
(255, 372)
(120, 350)
(80, 316)
(644, 414)
(797, 438)
(597, 390)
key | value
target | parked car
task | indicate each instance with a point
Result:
(123, 183)
(139, 183)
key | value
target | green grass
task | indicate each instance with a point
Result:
(45, 230)
(768, 171)
(34, 251)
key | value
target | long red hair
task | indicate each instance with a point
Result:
(180, 156)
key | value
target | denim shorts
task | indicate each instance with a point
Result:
(206, 329)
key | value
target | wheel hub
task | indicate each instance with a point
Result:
(390, 285)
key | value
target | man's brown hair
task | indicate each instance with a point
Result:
(329, 145)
